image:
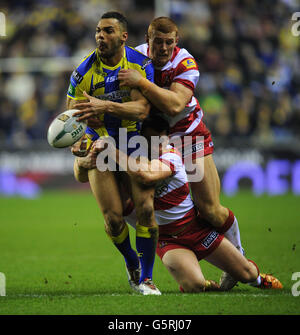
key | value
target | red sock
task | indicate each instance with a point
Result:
(181, 289)
(255, 266)
(228, 223)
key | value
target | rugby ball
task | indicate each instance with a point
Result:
(64, 130)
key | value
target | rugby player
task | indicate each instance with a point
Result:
(97, 76)
(184, 237)
(176, 76)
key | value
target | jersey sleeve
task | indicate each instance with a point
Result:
(149, 70)
(187, 73)
(172, 159)
(77, 85)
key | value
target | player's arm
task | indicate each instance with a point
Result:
(80, 173)
(136, 110)
(82, 165)
(85, 160)
(93, 122)
(170, 101)
(71, 102)
(142, 170)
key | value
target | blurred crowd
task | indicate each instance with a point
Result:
(249, 62)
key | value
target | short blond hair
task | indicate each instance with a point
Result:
(163, 24)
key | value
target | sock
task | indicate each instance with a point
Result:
(122, 242)
(146, 247)
(233, 235)
(257, 281)
(231, 231)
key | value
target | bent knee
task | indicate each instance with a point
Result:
(145, 213)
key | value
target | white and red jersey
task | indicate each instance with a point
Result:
(181, 68)
(173, 204)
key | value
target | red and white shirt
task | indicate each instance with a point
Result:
(181, 68)
(173, 204)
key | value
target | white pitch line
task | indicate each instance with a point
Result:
(249, 295)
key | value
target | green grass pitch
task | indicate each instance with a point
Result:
(57, 260)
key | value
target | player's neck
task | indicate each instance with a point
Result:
(113, 60)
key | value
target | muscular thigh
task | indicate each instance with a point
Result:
(105, 188)
(183, 266)
(207, 191)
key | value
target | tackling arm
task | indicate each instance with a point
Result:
(170, 101)
(135, 110)
(143, 171)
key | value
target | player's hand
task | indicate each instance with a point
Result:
(99, 146)
(88, 162)
(91, 109)
(79, 148)
(129, 78)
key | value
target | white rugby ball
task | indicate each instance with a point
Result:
(64, 130)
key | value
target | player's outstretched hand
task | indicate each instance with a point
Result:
(88, 162)
(99, 146)
(79, 148)
(91, 109)
(129, 78)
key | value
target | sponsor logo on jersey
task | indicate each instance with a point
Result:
(191, 149)
(111, 79)
(161, 188)
(98, 85)
(77, 76)
(71, 90)
(113, 96)
(209, 239)
(189, 63)
(146, 62)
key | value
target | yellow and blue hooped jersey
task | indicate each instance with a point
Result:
(101, 81)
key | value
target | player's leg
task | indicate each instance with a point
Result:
(146, 232)
(206, 195)
(106, 191)
(184, 267)
(227, 258)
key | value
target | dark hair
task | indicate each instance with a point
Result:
(156, 122)
(116, 15)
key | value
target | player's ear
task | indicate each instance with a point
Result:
(124, 37)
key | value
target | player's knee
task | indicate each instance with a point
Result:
(145, 213)
(114, 223)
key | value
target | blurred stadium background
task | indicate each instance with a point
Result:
(249, 86)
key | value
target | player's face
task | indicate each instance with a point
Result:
(109, 37)
(161, 47)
